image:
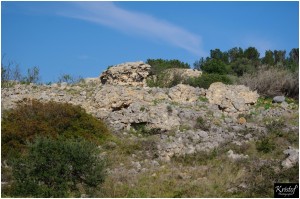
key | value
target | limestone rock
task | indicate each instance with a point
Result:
(235, 156)
(292, 158)
(231, 98)
(184, 93)
(279, 99)
(130, 73)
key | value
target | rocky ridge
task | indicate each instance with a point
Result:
(184, 119)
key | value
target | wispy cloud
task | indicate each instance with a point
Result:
(109, 14)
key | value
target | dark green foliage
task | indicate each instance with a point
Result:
(47, 119)
(265, 145)
(269, 58)
(235, 53)
(252, 54)
(279, 57)
(169, 109)
(215, 66)
(205, 80)
(217, 54)
(241, 66)
(54, 168)
(159, 65)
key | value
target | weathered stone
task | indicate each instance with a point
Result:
(279, 99)
(292, 157)
(130, 73)
(231, 98)
(184, 93)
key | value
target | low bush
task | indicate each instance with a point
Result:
(159, 65)
(55, 168)
(165, 79)
(51, 119)
(205, 80)
(202, 124)
(273, 81)
(265, 145)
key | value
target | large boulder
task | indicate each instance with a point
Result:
(130, 73)
(231, 98)
(185, 93)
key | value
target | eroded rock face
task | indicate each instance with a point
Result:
(185, 93)
(129, 73)
(231, 98)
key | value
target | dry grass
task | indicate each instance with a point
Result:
(273, 81)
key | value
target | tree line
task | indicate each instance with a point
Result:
(237, 61)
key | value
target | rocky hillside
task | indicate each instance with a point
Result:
(173, 123)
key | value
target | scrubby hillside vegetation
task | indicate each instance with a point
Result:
(227, 128)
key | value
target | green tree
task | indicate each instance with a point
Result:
(293, 62)
(294, 55)
(268, 58)
(252, 54)
(219, 55)
(216, 66)
(279, 56)
(242, 66)
(54, 168)
(235, 53)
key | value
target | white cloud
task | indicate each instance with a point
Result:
(108, 14)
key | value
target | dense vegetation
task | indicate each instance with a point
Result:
(52, 147)
(273, 74)
(57, 168)
(51, 119)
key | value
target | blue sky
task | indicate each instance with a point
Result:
(83, 38)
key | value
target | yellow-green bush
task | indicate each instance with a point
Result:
(49, 119)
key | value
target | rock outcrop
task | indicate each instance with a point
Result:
(231, 98)
(130, 73)
(292, 158)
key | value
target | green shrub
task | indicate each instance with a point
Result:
(47, 119)
(201, 124)
(159, 65)
(162, 74)
(266, 145)
(242, 66)
(216, 66)
(54, 168)
(205, 80)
